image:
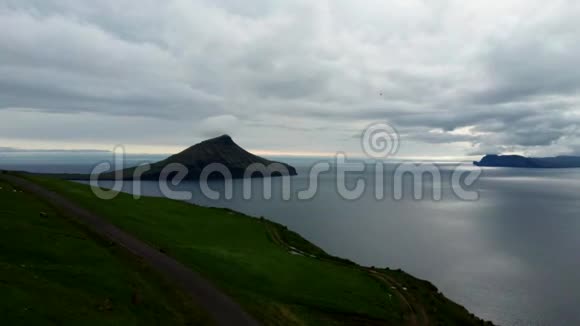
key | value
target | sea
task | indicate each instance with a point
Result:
(510, 255)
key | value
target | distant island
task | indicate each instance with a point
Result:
(222, 150)
(518, 161)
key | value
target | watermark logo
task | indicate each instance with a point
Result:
(379, 141)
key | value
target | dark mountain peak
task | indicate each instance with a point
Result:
(212, 149)
(223, 139)
(222, 150)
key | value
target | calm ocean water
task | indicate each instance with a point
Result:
(511, 257)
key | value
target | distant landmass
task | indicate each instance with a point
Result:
(221, 150)
(518, 161)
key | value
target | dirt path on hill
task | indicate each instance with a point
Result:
(417, 314)
(222, 309)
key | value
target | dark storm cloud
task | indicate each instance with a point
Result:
(493, 75)
(537, 58)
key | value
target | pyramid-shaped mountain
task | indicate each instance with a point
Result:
(221, 150)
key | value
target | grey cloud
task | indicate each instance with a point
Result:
(218, 125)
(299, 67)
(536, 57)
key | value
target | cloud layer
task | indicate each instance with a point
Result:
(454, 77)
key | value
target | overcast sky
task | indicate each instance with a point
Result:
(455, 78)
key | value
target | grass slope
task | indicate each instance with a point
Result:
(279, 277)
(53, 273)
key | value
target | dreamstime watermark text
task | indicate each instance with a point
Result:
(379, 142)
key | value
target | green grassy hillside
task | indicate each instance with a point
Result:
(280, 278)
(53, 273)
